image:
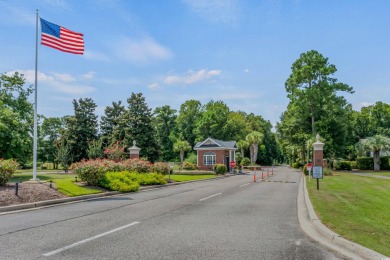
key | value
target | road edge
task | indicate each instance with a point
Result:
(313, 227)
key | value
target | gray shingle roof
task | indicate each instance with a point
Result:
(219, 143)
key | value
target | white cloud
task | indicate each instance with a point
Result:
(89, 75)
(216, 11)
(154, 86)
(191, 77)
(246, 70)
(98, 56)
(73, 89)
(62, 82)
(64, 77)
(141, 52)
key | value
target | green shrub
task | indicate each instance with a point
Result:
(295, 165)
(7, 170)
(327, 171)
(245, 161)
(305, 171)
(220, 168)
(342, 165)
(354, 165)
(150, 179)
(189, 166)
(365, 163)
(385, 163)
(120, 181)
(191, 158)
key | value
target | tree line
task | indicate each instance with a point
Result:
(163, 134)
(316, 105)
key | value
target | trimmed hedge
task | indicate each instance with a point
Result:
(342, 165)
(365, 163)
(220, 168)
(385, 163)
(7, 170)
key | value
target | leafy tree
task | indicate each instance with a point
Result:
(375, 144)
(212, 121)
(95, 150)
(16, 118)
(236, 127)
(63, 155)
(139, 127)
(181, 147)
(310, 82)
(164, 123)
(242, 145)
(111, 124)
(81, 128)
(187, 120)
(49, 134)
(254, 139)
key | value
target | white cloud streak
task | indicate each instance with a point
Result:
(141, 52)
(191, 77)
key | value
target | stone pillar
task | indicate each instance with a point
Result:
(318, 155)
(134, 151)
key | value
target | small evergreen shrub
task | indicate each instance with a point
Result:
(191, 158)
(305, 171)
(120, 181)
(354, 165)
(220, 168)
(189, 166)
(327, 171)
(295, 165)
(150, 179)
(7, 170)
(245, 161)
(365, 163)
(342, 165)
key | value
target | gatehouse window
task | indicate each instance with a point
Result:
(209, 158)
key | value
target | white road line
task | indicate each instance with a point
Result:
(244, 184)
(88, 239)
(210, 196)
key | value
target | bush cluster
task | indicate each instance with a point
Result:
(365, 163)
(342, 165)
(7, 170)
(220, 168)
(93, 171)
(126, 181)
(188, 166)
(385, 163)
(295, 165)
(245, 161)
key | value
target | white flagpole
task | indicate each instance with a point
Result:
(35, 104)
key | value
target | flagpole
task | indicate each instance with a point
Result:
(35, 104)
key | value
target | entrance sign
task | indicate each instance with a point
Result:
(317, 172)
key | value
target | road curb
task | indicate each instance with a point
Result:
(313, 226)
(46, 203)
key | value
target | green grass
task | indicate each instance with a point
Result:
(188, 177)
(356, 207)
(64, 182)
(381, 173)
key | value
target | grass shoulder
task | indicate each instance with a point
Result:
(356, 207)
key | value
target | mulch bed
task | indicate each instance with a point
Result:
(28, 193)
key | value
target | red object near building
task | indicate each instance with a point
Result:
(309, 166)
(232, 164)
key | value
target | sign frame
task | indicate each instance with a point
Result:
(317, 172)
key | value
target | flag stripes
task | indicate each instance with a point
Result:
(60, 38)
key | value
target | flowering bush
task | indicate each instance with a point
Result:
(7, 169)
(160, 167)
(115, 151)
(188, 166)
(137, 165)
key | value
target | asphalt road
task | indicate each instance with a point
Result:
(229, 218)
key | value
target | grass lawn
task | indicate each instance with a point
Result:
(64, 182)
(188, 177)
(381, 173)
(356, 207)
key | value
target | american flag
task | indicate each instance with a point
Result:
(60, 38)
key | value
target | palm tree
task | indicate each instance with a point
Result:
(181, 146)
(242, 144)
(254, 139)
(375, 144)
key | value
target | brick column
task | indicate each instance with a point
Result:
(318, 155)
(134, 151)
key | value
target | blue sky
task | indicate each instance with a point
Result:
(239, 52)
